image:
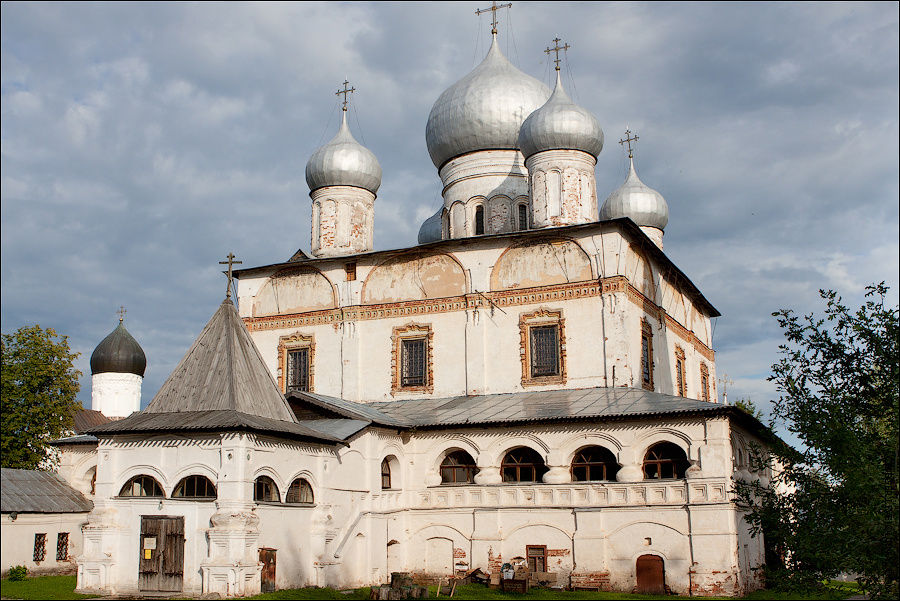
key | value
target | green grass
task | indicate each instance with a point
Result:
(41, 587)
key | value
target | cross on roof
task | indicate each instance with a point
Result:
(346, 91)
(121, 314)
(628, 140)
(229, 262)
(494, 8)
(556, 48)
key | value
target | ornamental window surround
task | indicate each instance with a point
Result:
(680, 380)
(412, 363)
(296, 362)
(646, 355)
(542, 347)
(704, 382)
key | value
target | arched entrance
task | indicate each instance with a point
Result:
(651, 575)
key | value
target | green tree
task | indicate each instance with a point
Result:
(39, 386)
(833, 506)
(748, 406)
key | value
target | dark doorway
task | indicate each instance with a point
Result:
(651, 575)
(267, 559)
(161, 566)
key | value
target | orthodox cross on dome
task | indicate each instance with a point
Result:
(628, 140)
(121, 313)
(230, 262)
(494, 8)
(556, 48)
(346, 92)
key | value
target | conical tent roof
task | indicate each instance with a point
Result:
(223, 370)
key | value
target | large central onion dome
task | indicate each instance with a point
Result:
(343, 162)
(560, 125)
(119, 353)
(635, 199)
(484, 110)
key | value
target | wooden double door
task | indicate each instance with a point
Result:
(161, 554)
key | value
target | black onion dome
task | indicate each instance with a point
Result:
(119, 353)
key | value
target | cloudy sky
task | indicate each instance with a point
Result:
(143, 142)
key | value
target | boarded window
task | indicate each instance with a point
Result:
(544, 351)
(665, 461)
(195, 487)
(62, 546)
(646, 356)
(142, 486)
(594, 463)
(298, 369)
(479, 220)
(350, 270)
(523, 465)
(414, 354)
(458, 467)
(385, 475)
(537, 558)
(40, 547)
(300, 492)
(265, 489)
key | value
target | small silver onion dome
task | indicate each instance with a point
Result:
(560, 125)
(432, 228)
(343, 162)
(634, 199)
(484, 110)
(119, 353)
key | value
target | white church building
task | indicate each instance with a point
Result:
(532, 384)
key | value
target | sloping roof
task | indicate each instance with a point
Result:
(349, 409)
(223, 370)
(209, 421)
(86, 419)
(33, 491)
(542, 406)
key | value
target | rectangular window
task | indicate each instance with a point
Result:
(62, 546)
(645, 361)
(414, 358)
(350, 270)
(523, 217)
(40, 547)
(704, 383)
(537, 558)
(679, 375)
(544, 351)
(298, 369)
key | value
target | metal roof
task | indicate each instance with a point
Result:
(341, 429)
(77, 439)
(119, 352)
(87, 418)
(208, 421)
(34, 491)
(349, 409)
(542, 406)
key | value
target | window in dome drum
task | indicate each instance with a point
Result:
(479, 220)
(523, 217)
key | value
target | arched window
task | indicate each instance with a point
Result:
(458, 467)
(194, 487)
(300, 492)
(265, 489)
(479, 220)
(142, 486)
(594, 463)
(523, 217)
(385, 474)
(523, 465)
(665, 460)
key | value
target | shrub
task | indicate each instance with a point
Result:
(18, 573)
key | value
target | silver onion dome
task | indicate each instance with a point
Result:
(432, 228)
(634, 199)
(119, 353)
(484, 110)
(560, 125)
(343, 162)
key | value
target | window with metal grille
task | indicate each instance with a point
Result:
(62, 546)
(544, 351)
(665, 461)
(594, 463)
(298, 369)
(479, 220)
(414, 359)
(646, 356)
(523, 217)
(195, 487)
(300, 492)
(537, 558)
(458, 467)
(522, 465)
(40, 546)
(142, 486)
(385, 475)
(265, 489)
